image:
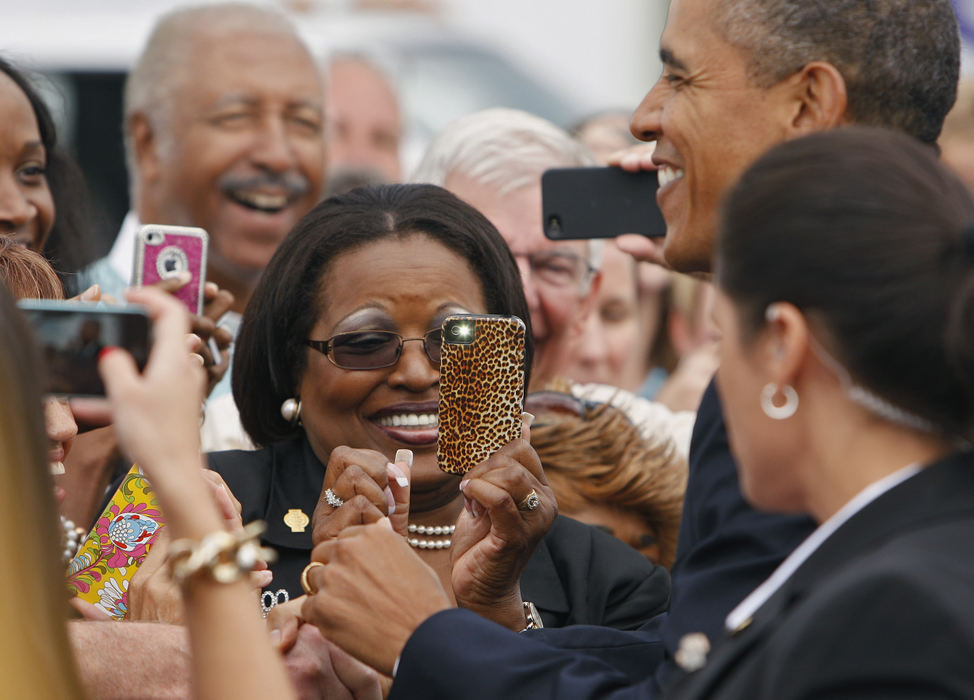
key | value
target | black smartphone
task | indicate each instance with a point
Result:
(72, 334)
(599, 203)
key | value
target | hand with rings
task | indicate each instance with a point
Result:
(509, 508)
(360, 487)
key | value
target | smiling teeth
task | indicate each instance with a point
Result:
(667, 174)
(263, 201)
(409, 420)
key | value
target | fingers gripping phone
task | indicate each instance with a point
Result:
(72, 334)
(481, 388)
(162, 252)
(599, 203)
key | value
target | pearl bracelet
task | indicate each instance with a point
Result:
(223, 556)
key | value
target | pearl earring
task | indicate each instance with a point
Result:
(291, 411)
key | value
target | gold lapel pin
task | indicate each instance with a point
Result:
(296, 519)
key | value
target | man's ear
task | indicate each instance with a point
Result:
(821, 98)
(145, 144)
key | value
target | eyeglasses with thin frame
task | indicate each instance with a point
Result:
(374, 349)
(558, 268)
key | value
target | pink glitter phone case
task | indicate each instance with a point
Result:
(162, 252)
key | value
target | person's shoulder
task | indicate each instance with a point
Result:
(586, 547)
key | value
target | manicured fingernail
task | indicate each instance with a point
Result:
(468, 505)
(463, 484)
(404, 456)
(390, 499)
(264, 577)
(105, 351)
(385, 522)
(184, 276)
(276, 637)
(91, 293)
(212, 288)
(198, 358)
(57, 468)
(528, 418)
(475, 509)
(398, 474)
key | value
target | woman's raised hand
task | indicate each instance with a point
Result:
(509, 508)
(361, 487)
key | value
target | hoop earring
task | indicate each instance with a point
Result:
(291, 411)
(785, 410)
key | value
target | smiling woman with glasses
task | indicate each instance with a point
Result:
(336, 375)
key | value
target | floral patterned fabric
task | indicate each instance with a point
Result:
(116, 546)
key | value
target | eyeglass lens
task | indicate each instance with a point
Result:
(373, 349)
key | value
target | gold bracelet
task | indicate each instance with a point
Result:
(223, 556)
(532, 618)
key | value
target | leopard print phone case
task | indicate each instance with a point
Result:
(481, 388)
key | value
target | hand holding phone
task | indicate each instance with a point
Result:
(163, 252)
(581, 203)
(481, 388)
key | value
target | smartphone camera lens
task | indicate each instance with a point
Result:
(554, 227)
(153, 238)
(459, 332)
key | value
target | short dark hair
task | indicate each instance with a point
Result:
(270, 358)
(68, 246)
(863, 230)
(900, 58)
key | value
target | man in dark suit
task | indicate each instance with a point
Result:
(739, 77)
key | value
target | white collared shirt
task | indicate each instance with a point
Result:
(760, 595)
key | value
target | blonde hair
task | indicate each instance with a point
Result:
(35, 657)
(603, 460)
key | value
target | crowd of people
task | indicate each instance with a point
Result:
(744, 467)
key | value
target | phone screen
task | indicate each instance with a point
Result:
(72, 334)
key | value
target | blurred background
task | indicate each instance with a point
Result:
(561, 59)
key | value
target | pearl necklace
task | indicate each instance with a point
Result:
(430, 530)
(73, 537)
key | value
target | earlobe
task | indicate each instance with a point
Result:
(822, 98)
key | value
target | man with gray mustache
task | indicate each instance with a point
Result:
(223, 130)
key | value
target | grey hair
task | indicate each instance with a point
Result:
(162, 67)
(900, 59)
(506, 149)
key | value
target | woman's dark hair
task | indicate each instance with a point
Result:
(68, 247)
(270, 356)
(867, 233)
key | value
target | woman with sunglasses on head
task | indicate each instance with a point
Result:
(336, 375)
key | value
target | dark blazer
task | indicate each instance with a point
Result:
(577, 574)
(726, 549)
(883, 609)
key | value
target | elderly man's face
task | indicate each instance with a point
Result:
(555, 274)
(247, 149)
(709, 123)
(364, 120)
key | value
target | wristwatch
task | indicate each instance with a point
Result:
(532, 618)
